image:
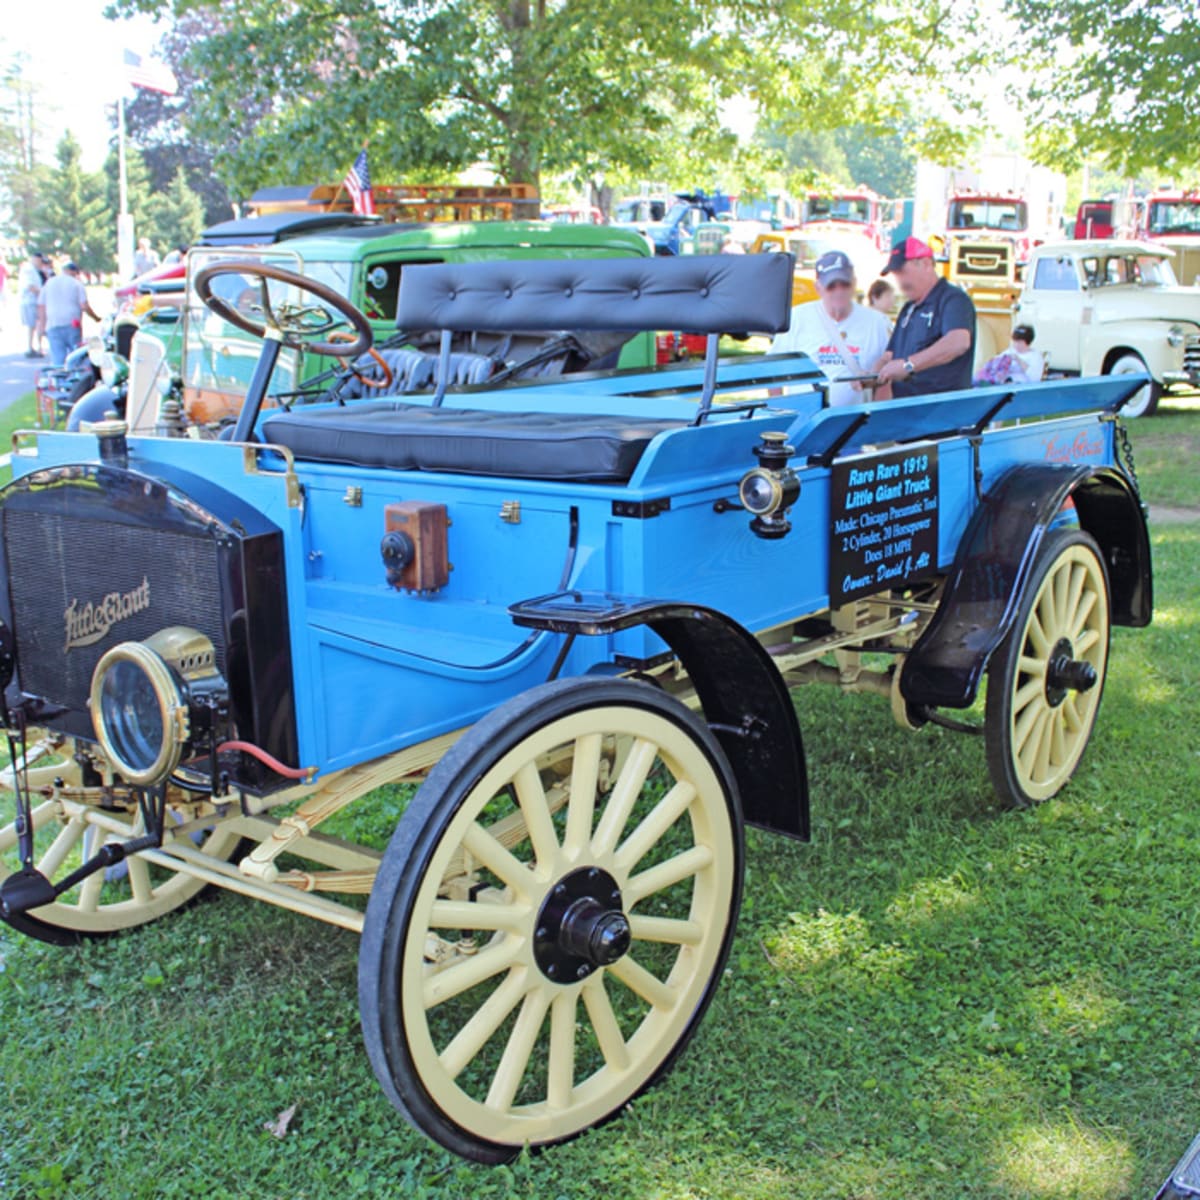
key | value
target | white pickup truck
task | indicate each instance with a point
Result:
(1112, 308)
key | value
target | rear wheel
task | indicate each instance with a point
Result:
(551, 918)
(1046, 680)
(1143, 402)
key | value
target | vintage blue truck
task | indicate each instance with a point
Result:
(569, 613)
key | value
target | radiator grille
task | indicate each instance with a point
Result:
(1191, 354)
(983, 262)
(56, 559)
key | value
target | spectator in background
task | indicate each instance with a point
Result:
(172, 257)
(881, 296)
(145, 259)
(932, 348)
(842, 337)
(29, 290)
(63, 302)
(1020, 363)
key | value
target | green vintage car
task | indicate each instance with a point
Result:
(363, 261)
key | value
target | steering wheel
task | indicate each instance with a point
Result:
(297, 326)
(344, 335)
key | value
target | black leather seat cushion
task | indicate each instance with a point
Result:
(525, 445)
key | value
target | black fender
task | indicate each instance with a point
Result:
(992, 568)
(742, 694)
(92, 406)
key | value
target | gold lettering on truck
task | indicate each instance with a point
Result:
(87, 625)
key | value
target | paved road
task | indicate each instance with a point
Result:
(16, 371)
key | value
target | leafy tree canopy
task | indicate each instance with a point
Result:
(1114, 81)
(561, 86)
(74, 217)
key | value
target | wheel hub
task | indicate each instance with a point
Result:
(1065, 673)
(581, 926)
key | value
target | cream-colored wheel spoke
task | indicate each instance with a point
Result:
(531, 797)
(668, 873)
(1025, 723)
(498, 860)
(444, 984)
(1071, 714)
(89, 892)
(1028, 692)
(1074, 595)
(56, 853)
(1031, 665)
(640, 981)
(560, 1069)
(585, 774)
(139, 880)
(624, 796)
(515, 1060)
(1085, 641)
(1037, 636)
(1061, 591)
(1027, 748)
(670, 930)
(467, 914)
(654, 826)
(604, 1024)
(489, 1016)
(1079, 626)
(1058, 741)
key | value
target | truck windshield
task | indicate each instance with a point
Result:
(1174, 216)
(840, 208)
(982, 213)
(220, 358)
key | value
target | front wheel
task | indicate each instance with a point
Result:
(551, 917)
(1144, 401)
(1046, 680)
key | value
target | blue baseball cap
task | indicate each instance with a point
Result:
(834, 267)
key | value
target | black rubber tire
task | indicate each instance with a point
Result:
(403, 868)
(1150, 394)
(1004, 666)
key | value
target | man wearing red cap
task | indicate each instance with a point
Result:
(932, 348)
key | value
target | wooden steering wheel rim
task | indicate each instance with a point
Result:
(262, 270)
(388, 375)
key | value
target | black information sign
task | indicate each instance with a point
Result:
(884, 512)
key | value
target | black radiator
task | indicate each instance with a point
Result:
(96, 555)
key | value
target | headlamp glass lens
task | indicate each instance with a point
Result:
(132, 715)
(758, 493)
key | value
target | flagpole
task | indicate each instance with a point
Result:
(124, 220)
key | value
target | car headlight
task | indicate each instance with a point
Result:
(1175, 337)
(761, 491)
(152, 700)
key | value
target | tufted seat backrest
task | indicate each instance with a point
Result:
(708, 294)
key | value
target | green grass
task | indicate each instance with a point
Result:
(934, 998)
(1167, 447)
(21, 414)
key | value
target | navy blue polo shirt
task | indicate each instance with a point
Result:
(920, 325)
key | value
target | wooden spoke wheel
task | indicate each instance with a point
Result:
(1046, 680)
(106, 902)
(551, 917)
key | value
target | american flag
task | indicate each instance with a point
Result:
(148, 73)
(358, 184)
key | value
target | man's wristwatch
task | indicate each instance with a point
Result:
(909, 369)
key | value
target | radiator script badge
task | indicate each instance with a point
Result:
(87, 625)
